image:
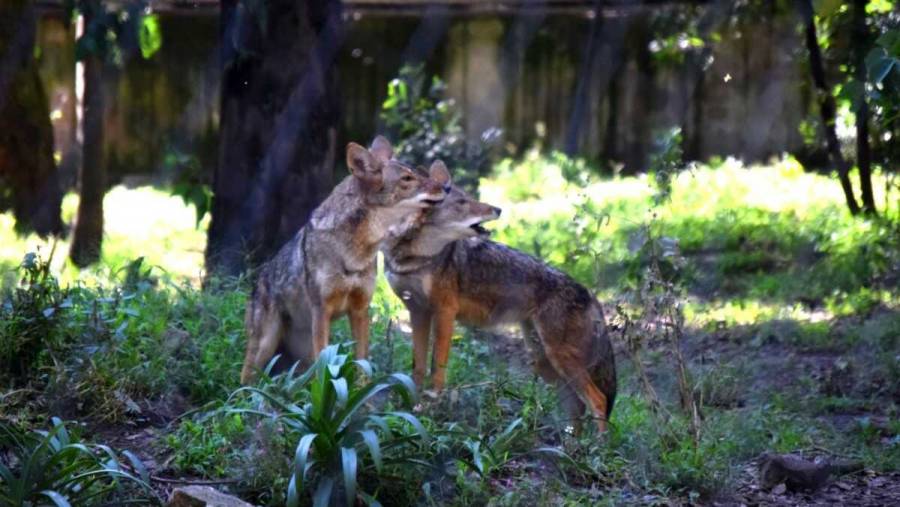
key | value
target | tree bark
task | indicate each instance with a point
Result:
(87, 237)
(611, 131)
(585, 77)
(826, 103)
(641, 142)
(27, 167)
(863, 151)
(279, 120)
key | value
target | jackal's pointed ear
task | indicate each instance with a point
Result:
(439, 173)
(362, 164)
(382, 148)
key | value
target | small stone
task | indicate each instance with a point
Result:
(203, 496)
(779, 489)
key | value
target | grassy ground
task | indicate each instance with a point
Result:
(792, 341)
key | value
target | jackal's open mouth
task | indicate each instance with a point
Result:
(480, 230)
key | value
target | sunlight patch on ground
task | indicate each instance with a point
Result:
(139, 222)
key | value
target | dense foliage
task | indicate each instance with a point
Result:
(427, 126)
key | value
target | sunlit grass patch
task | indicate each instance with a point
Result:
(735, 312)
(138, 222)
(765, 231)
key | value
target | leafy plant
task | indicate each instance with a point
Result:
(666, 162)
(55, 467)
(31, 317)
(328, 409)
(426, 126)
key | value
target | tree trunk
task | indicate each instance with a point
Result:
(611, 132)
(826, 103)
(26, 135)
(279, 120)
(863, 152)
(641, 142)
(88, 235)
(585, 77)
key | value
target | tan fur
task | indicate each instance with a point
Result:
(446, 273)
(328, 269)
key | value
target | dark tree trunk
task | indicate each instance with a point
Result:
(279, 120)
(691, 108)
(88, 235)
(611, 131)
(29, 181)
(826, 103)
(641, 141)
(580, 104)
(863, 152)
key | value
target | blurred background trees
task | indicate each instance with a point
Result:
(241, 107)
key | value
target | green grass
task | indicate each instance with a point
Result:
(766, 237)
(793, 324)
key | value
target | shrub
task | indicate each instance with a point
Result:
(31, 318)
(426, 126)
(44, 467)
(328, 410)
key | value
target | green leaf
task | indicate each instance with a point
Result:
(58, 500)
(381, 423)
(369, 499)
(414, 421)
(559, 453)
(879, 65)
(149, 36)
(301, 456)
(293, 496)
(365, 366)
(341, 390)
(348, 463)
(323, 493)
(138, 465)
(371, 441)
(409, 387)
(475, 448)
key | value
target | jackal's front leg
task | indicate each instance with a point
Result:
(359, 323)
(443, 334)
(421, 331)
(321, 327)
(263, 338)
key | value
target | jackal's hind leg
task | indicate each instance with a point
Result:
(568, 398)
(570, 363)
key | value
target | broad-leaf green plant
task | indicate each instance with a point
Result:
(56, 468)
(341, 438)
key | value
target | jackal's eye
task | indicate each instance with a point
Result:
(408, 178)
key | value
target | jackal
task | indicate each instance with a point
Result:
(445, 269)
(328, 268)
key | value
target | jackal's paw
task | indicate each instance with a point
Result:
(431, 395)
